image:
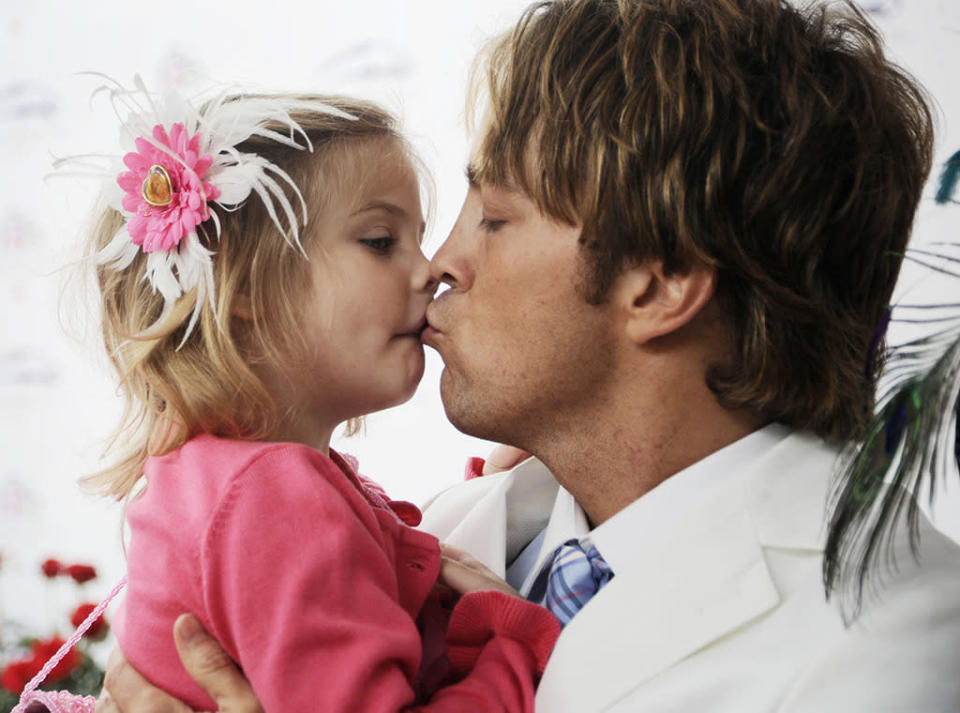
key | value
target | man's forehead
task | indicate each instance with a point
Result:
(477, 177)
(513, 170)
(473, 177)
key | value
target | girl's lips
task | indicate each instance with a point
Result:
(416, 331)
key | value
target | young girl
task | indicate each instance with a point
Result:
(243, 335)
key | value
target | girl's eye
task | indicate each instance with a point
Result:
(382, 245)
(491, 226)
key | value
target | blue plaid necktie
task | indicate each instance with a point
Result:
(574, 577)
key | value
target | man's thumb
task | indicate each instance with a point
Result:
(211, 667)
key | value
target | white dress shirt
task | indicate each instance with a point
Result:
(676, 497)
(717, 603)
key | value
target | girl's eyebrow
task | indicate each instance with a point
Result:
(382, 205)
(390, 208)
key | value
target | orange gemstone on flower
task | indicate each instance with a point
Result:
(157, 188)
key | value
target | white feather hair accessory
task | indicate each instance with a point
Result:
(180, 158)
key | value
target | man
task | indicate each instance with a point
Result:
(682, 230)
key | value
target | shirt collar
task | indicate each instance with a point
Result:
(567, 521)
(675, 499)
(680, 496)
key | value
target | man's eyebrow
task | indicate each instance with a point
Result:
(382, 205)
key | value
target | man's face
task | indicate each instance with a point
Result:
(522, 349)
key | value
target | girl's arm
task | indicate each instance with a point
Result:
(300, 589)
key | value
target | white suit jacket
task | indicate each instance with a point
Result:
(728, 612)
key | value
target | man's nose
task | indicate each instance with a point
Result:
(451, 264)
(423, 278)
(439, 273)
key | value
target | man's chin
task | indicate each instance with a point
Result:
(453, 403)
(466, 414)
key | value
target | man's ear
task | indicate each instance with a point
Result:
(241, 307)
(656, 303)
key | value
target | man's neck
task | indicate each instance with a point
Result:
(612, 461)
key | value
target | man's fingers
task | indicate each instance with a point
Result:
(105, 703)
(124, 689)
(115, 665)
(211, 667)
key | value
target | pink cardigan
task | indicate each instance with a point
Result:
(312, 581)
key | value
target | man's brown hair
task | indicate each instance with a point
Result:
(776, 145)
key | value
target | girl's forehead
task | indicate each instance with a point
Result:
(390, 173)
(362, 175)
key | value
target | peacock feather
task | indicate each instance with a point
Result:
(912, 442)
(948, 179)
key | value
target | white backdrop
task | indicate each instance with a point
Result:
(57, 402)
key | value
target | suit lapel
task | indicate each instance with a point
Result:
(703, 577)
(495, 516)
(702, 581)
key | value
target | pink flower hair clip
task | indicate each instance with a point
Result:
(165, 190)
(180, 158)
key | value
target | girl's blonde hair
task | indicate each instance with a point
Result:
(208, 385)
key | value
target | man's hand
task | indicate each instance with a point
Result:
(209, 665)
(126, 691)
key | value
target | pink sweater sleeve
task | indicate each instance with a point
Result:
(300, 590)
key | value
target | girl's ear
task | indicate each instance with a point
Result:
(656, 303)
(241, 307)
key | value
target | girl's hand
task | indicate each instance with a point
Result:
(503, 458)
(463, 573)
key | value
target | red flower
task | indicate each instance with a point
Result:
(17, 674)
(51, 568)
(98, 629)
(44, 649)
(81, 573)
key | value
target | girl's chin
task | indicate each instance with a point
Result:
(407, 393)
(401, 394)
(404, 376)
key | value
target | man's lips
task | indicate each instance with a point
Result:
(431, 331)
(428, 335)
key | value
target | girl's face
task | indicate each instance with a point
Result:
(364, 311)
